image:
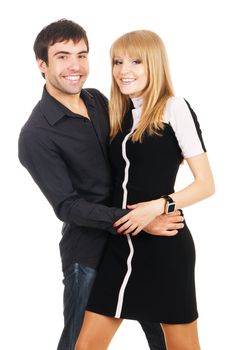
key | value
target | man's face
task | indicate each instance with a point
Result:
(67, 68)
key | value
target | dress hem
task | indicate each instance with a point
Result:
(156, 320)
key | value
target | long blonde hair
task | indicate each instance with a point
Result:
(149, 48)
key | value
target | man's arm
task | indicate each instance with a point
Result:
(50, 172)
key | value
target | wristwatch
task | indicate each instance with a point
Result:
(170, 204)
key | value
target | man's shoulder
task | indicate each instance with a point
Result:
(34, 118)
(35, 126)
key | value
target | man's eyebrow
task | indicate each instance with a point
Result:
(84, 51)
(69, 53)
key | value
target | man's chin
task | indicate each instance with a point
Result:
(73, 90)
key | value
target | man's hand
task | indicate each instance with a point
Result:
(165, 224)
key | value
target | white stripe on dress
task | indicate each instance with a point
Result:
(136, 116)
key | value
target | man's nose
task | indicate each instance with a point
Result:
(74, 62)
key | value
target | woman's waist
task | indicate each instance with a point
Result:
(139, 194)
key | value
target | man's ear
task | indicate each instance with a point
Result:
(42, 65)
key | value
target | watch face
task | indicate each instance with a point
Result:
(170, 207)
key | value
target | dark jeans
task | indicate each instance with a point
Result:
(78, 280)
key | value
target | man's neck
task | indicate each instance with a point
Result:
(73, 102)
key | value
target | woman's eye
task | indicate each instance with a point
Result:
(137, 61)
(116, 62)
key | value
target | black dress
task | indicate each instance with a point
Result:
(148, 277)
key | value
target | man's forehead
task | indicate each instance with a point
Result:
(69, 46)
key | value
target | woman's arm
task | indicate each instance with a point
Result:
(203, 185)
(142, 214)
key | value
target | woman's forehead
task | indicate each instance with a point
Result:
(130, 52)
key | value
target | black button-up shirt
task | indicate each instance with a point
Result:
(66, 154)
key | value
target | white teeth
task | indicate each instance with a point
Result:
(127, 80)
(73, 77)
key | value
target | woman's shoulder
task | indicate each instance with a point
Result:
(183, 120)
(176, 102)
(175, 106)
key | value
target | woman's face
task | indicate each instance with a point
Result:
(130, 75)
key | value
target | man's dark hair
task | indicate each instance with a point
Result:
(56, 32)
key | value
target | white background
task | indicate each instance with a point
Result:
(198, 37)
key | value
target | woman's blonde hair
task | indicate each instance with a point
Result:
(149, 48)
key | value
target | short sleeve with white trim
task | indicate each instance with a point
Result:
(183, 121)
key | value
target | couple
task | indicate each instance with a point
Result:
(146, 270)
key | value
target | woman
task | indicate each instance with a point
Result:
(142, 276)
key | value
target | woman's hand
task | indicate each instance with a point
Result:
(140, 216)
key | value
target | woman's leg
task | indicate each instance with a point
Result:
(97, 331)
(181, 336)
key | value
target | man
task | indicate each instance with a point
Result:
(63, 145)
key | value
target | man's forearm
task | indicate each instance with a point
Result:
(50, 173)
(87, 214)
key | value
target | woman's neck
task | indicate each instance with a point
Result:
(137, 101)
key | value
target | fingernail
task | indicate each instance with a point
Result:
(114, 225)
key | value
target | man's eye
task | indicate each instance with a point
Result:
(62, 57)
(82, 56)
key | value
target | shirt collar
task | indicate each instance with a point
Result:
(137, 102)
(53, 110)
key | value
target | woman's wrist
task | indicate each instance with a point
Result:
(159, 205)
(170, 204)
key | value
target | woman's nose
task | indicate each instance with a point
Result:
(125, 69)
